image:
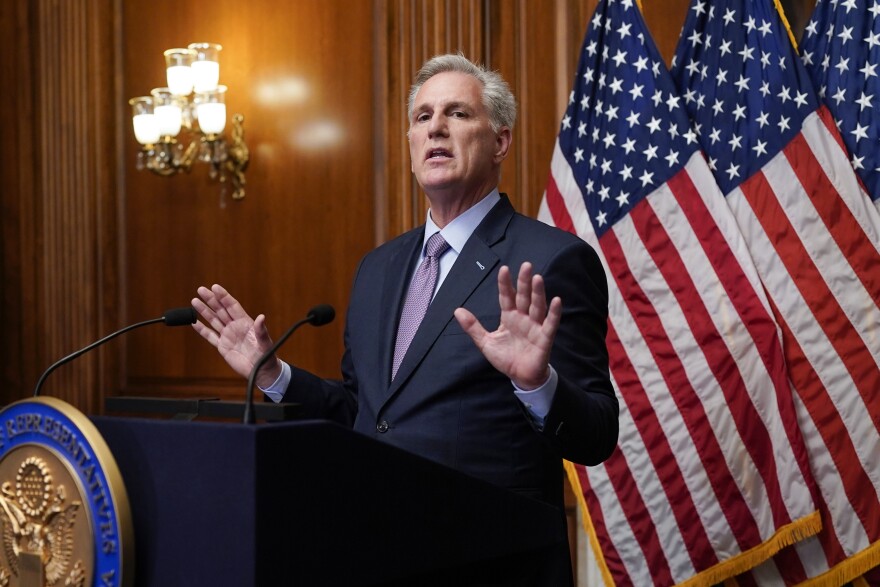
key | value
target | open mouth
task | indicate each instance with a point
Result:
(438, 154)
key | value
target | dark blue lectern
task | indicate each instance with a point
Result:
(312, 503)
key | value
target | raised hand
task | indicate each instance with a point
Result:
(239, 339)
(520, 347)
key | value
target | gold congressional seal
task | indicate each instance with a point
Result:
(64, 513)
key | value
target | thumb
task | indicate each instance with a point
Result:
(471, 325)
(261, 333)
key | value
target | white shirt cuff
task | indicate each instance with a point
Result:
(539, 400)
(275, 392)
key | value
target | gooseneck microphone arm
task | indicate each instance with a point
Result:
(318, 316)
(175, 317)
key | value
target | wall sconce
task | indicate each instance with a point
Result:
(159, 118)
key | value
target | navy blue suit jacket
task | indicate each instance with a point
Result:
(447, 403)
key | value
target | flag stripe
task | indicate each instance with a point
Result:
(838, 219)
(840, 332)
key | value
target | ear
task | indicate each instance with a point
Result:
(502, 144)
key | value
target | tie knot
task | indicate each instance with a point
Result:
(436, 246)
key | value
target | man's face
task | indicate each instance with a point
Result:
(455, 154)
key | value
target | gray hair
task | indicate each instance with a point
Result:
(497, 97)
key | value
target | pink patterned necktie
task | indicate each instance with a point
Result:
(418, 298)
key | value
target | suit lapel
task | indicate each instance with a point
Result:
(475, 263)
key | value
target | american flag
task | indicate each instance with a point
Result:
(840, 51)
(710, 473)
(813, 235)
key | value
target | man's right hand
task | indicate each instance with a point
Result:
(240, 339)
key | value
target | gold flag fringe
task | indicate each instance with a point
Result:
(848, 570)
(789, 534)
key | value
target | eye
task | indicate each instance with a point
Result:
(459, 114)
(423, 117)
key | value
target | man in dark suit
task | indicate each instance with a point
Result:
(495, 382)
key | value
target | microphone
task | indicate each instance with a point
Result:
(318, 316)
(173, 317)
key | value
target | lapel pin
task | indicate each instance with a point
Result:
(480, 265)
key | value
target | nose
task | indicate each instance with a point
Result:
(437, 126)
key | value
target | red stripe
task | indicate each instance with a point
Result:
(631, 500)
(741, 521)
(828, 120)
(855, 245)
(646, 420)
(556, 205)
(856, 484)
(844, 338)
(608, 551)
(748, 421)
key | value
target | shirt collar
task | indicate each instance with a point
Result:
(457, 232)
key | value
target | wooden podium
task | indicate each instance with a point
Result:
(312, 503)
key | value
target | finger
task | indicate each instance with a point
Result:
(227, 306)
(207, 314)
(506, 293)
(471, 325)
(264, 341)
(206, 333)
(554, 316)
(538, 307)
(524, 287)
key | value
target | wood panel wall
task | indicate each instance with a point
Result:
(89, 243)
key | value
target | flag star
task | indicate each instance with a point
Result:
(746, 53)
(721, 77)
(672, 102)
(715, 135)
(589, 75)
(650, 152)
(633, 118)
(735, 142)
(760, 148)
(611, 112)
(857, 162)
(842, 65)
(690, 136)
(601, 218)
(646, 177)
(672, 158)
(604, 193)
(762, 119)
(811, 28)
(784, 95)
(864, 101)
(839, 96)
(609, 140)
(606, 166)
(850, 4)
(695, 38)
(713, 163)
(585, 102)
(725, 47)
(782, 62)
(629, 146)
(626, 172)
(845, 35)
(641, 64)
(595, 134)
(593, 161)
(739, 111)
(582, 129)
(729, 15)
(765, 88)
(826, 62)
(733, 171)
(704, 72)
(701, 101)
(742, 83)
(751, 24)
(657, 98)
(872, 39)
(673, 130)
(636, 91)
(783, 123)
(764, 28)
(623, 198)
(765, 59)
(623, 31)
(689, 96)
(875, 10)
(599, 107)
(578, 155)
(566, 121)
(619, 57)
(869, 70)
(692, 67)
(597, 22)
(655, 68)
(605, 49)
(699, 8)
(589, 187)
(718, 107)
(800, 99)
(654, 125)
(860, 132)
(571, 97)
